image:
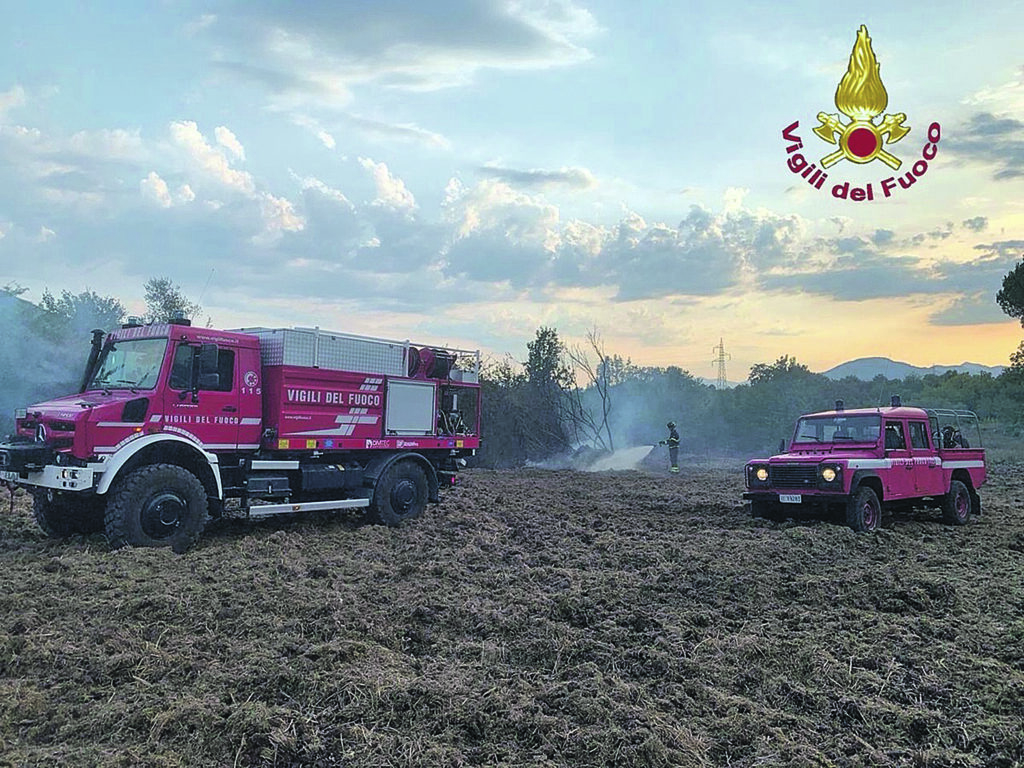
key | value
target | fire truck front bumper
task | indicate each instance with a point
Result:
(34, 464)
(52, 476)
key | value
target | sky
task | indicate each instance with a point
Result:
(465, 171)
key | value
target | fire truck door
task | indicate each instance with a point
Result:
(201, 404)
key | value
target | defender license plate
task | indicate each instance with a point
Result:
(790, 498)
(7, 475)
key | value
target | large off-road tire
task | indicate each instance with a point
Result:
(864, 510)
(162, 505)
(400, 494)
(956, 505)
(63, 514)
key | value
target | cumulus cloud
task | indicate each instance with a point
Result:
(155, 189)
(975, 224)
(505, 234)
(279, 216)
(212, 162)
(391, 191)
(229, 141)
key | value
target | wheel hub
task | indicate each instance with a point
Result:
(162, 514)
(403, 495)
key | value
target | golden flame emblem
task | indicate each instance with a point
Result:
(861, 97)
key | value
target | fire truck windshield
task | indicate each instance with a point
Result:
(132, 364)
(838, 429)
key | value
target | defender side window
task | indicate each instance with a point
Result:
(918, 434)
(894, 439)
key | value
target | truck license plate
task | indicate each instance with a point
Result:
(790, 498)
(10, 476)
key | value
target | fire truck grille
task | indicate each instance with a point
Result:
(794, 475)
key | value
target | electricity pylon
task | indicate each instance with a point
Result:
(721, 357)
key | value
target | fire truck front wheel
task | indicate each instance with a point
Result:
(162, 505)
(400, 494)
(62, 514)
(864, 510)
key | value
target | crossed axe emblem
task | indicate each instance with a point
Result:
(861, 141)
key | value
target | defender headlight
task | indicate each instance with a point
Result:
(761, 474)
(828, 474)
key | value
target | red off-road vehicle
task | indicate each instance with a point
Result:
(861, 461)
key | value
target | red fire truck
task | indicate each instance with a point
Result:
(173, 422)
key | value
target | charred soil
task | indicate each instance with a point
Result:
(533, 618)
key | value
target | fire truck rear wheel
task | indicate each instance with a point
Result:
(956, 505)
(400, 494)
(61, 514)
(162, 505)
(864, 510)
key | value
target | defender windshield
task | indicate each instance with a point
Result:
(838, 429)
(132, 364)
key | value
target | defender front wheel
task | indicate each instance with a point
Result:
(864, 510)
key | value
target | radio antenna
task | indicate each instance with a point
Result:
(203, 293)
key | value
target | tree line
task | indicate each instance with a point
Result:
(547, 406)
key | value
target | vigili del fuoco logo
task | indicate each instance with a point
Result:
(861, 138)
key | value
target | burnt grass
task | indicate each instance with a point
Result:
(534, 618)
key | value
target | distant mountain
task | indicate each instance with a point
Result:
(866, 368)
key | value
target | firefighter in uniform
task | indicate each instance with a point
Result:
(673, 446)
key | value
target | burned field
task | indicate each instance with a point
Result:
(533, 618)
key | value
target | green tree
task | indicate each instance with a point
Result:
(1010, 297)
(548, 378)
(166, 302)
(784, 367)
(72, 315)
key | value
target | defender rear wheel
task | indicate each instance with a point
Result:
(956, 505)
(400, 494)
(158, 506)
(864, 510)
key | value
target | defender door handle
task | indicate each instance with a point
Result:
(229, 409)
